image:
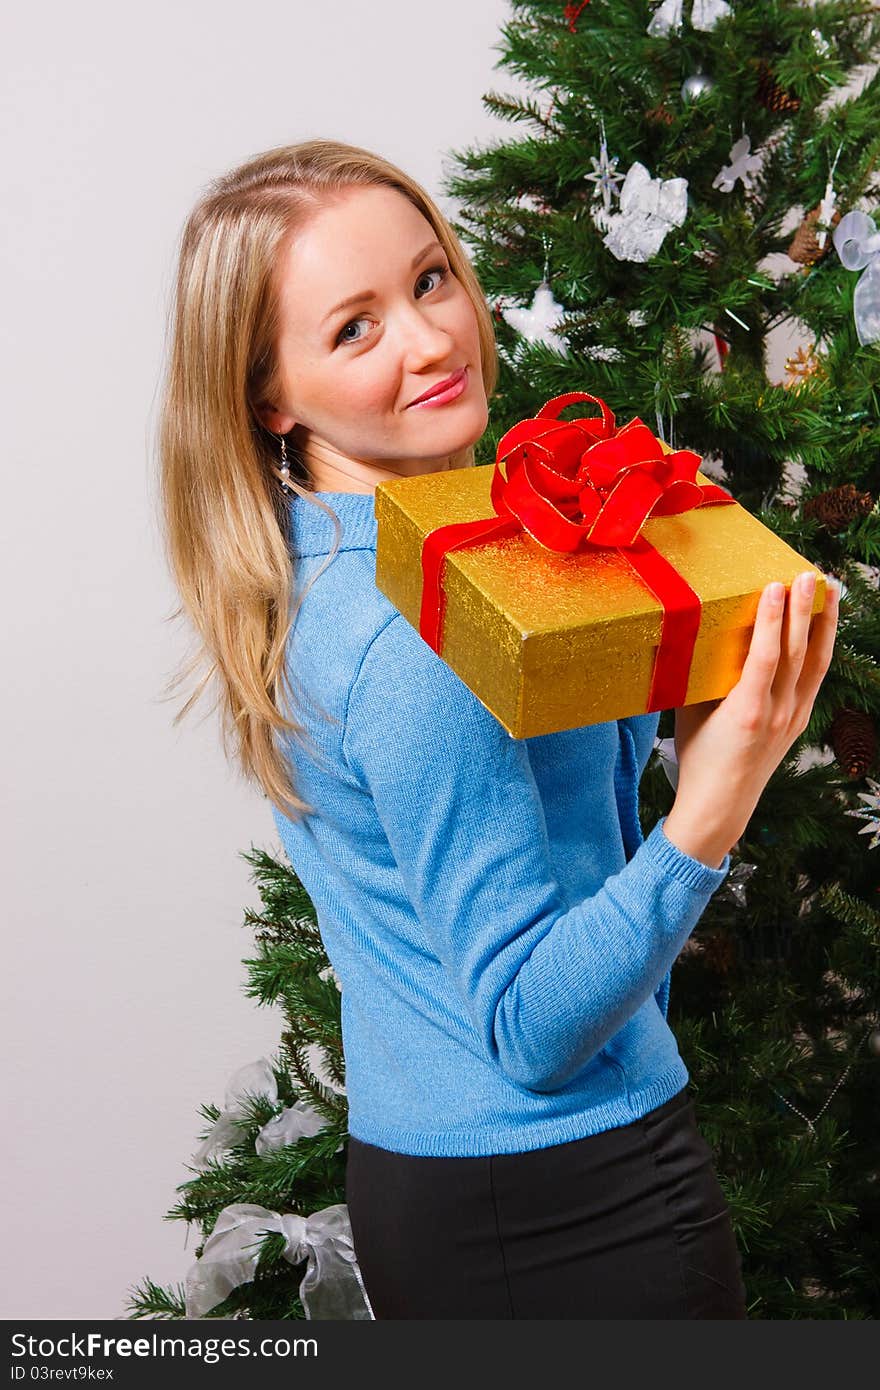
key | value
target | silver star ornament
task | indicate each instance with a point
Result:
(870, 812)
(605, 176)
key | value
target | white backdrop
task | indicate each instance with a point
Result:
(125, 887)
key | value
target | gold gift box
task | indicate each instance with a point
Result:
(550, 641)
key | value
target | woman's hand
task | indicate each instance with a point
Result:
(727, 749)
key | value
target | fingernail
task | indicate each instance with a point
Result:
(775, 592)
(807, 583)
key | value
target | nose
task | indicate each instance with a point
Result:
(423, 340)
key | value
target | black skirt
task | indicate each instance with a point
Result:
(629, 1223)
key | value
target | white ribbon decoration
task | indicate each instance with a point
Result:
(668, 17)
(297, 1121)
(649, 208)
(254, 1079)
(258, 1079)
(857, 243)
(706, 14)
(332, 1287)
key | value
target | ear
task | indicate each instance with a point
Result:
(273, 419)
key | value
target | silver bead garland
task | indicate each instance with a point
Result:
(810, 1123)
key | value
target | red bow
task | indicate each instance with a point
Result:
(572, 484)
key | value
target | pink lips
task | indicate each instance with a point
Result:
(454, 389)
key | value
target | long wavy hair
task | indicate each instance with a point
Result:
(224, 514)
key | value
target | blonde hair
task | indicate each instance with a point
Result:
(223, 510)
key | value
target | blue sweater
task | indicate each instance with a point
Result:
(501, 932)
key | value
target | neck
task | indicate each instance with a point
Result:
(330, 470)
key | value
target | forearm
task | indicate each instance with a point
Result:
(592, 969)
(707, 838)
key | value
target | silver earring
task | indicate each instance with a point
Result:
(285, 467)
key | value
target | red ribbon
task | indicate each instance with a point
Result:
(571, 13)
(572, 484)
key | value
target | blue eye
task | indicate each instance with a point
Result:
(441, 270)
(339, 337)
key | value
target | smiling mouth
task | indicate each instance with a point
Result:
(444, 390)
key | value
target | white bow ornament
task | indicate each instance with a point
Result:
(857, 243)
(332, 1286)
(705, 14)
(649, 208)
(258, 1079)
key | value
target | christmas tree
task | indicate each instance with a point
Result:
(689, 179)
(269, 1190)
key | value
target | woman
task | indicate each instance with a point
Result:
(522, 1140)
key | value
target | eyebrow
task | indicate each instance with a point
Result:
(371, 294)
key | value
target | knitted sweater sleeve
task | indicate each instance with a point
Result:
(545, 984)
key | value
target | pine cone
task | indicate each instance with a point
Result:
(660, 115)
(805, 248)
(719, 952)
(837, 507)
(769, 92)
(854, 739)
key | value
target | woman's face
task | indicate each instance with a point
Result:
(350, 374)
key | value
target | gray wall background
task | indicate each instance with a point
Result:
(124, 887)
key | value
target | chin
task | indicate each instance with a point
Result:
(455, 437)
(471, 433)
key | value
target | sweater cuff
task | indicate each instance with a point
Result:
(672, 860)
